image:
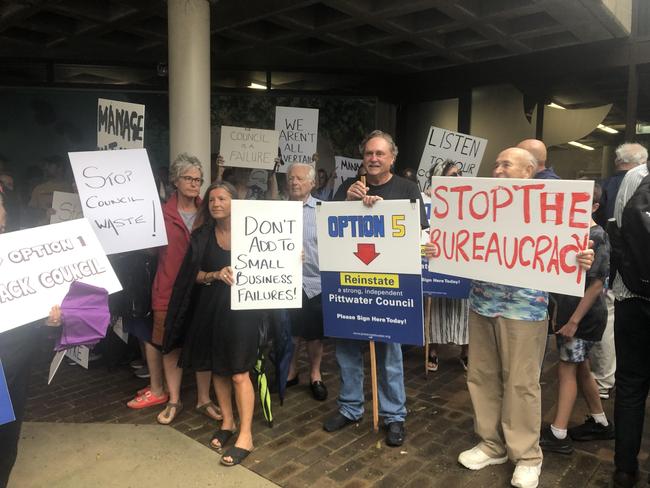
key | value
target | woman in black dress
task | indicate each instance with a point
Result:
(214, 337)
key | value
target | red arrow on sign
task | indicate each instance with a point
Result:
(366, 253)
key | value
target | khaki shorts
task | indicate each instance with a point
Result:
(158, 331)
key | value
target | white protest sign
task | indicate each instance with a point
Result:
(345, 168)
(66, 206)
(266, 243)
(120, 199)
(515, 232)
(467, 151)
(298, 130)
(118, 328)
(248, 148)
(120, 125)
(79, 354)
(37, 266)
(54, 365)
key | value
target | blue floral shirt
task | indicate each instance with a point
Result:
(510, 302)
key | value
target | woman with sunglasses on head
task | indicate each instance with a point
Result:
(179, 213)
(449, 316)
(215, 338)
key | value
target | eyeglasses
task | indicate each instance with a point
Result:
(189, 179)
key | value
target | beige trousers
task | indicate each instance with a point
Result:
(505, 358)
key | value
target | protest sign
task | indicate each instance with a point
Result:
(266, 242)
(516, 232)
(369, 258)
(248, 148)
(79, 354)
(66, 206)
(345, 168)
(37, 266)
(436, 284)
(120, 125)
(298, 131)
(119, 198)
(6, 409)
(467, 151)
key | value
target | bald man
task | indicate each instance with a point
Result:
(538, 149)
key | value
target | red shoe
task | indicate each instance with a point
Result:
(144, 390)
(148, 399)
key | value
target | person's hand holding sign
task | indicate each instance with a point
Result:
(225, 275)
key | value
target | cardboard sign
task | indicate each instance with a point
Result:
(248, 148)
(54, 365)
(120, 199)
(467, 151)
(120, 125)
(436, 284)
(6, 409)
(515, 232)
(37, 266)
(298, 131)
(266, 243)
(79, 354)
(66, 206)
(118, 328)
(345, 168)
(369, 259)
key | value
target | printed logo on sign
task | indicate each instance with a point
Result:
(370, 279)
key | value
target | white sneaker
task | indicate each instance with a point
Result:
(526, 476)
(475, 458)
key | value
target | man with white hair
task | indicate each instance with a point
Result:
(307, 322)
(632, 338)
(603, 354)
(507, 334)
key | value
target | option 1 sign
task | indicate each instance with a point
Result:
(37, 266)
(369, 259)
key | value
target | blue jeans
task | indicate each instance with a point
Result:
(390, 380)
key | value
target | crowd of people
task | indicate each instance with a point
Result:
(502, 330)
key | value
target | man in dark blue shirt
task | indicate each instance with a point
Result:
(538, 149)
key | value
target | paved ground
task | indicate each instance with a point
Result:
(62, 455)
(296, 452)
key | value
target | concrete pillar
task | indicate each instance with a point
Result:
(607, 163)
(189, 80)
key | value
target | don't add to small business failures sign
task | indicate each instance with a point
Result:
(370, 270)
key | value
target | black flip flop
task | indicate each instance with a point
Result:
(223, 436)
(237, 454)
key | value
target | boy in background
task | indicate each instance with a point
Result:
(580, 324)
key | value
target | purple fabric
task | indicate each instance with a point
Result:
(85, 316)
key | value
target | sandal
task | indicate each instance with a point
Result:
(432, 363)
(223, 436)
(207, 409)
(168, 415)
(147, 399)
(237, 454)
(144, 390)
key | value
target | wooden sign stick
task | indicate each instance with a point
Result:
(373, 369)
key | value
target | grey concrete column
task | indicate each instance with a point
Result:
(607, 163)
(189, 80)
